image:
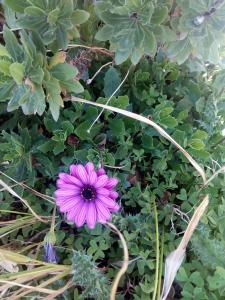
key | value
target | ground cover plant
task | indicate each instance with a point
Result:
(112, 149)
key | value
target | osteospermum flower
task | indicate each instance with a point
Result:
(86, 195)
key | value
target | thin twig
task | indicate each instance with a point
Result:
(222, 169)
(124, 265)
(89, 81)
(46, 197)
(97, 49)
(114, 167)
(116, 90)
(12, 192)
(12, 29)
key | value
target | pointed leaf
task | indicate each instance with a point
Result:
(17, 72)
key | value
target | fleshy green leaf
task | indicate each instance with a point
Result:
(79, 16)
(17, 72)
(4, 52)
(112, 80)
(64, 71)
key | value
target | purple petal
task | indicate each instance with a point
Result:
(70, 179)
(89, 167)
(113, 195)
(93, 178)
(62, 199)
(108, 202)
(91, 215)
(102, 191)
(61, 184)
(68, 205)
(100, 172)
(82, 174)
(112, 182)
(81, 216)
(103, 214)
(102, 181)
(75, 210)
(66, 193)
(73, 169)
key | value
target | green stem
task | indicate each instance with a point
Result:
(161, 266)
(157, 251)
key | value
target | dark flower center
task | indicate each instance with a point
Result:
(88, 193)
(134, 16)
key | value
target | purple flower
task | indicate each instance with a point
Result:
(86, 195)
(50, 254)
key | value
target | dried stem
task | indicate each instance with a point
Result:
(124, 265)
(89, 81)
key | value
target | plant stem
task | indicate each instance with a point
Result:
(124, 265)
(161, 266)
(157, 251)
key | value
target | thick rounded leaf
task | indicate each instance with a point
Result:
(197, 144)
(160, 14)
(79, 17)
(64, 71)
(150, 44)
(4, 52)
(34, 11)
(17, 72)
(17, 6)
(105, 33)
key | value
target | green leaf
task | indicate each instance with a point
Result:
(105, 33)
(64, 71)
(47, 146)
(200, 134)
(196, 144)
(183, 195)
(82, 130)
(4, 67)
(17, 72)
(4, 52)
(217, 280)
(79, 17)
(53, 97)
(60, 147)
(169, 121)
(55, 102)
(121, 56)
(20, 94)
(72, 86)
(28, 44)
(160, 15)
(112, 80)
(136, 55)
(53, 16)
(117, 126)
(18, 5)
(36, 75)
(34, 11)
(12, 45)
(150, 44)
(6, 89)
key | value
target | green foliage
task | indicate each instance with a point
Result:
(131, 27)
(88, 277)
(53, 20)
(39, 72)
(33, 79)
